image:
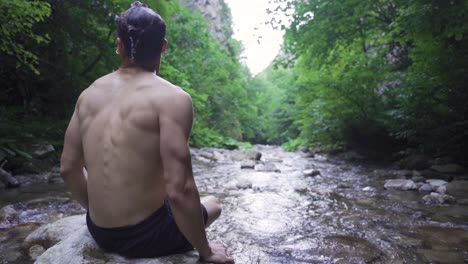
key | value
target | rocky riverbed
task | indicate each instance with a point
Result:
(278, 207)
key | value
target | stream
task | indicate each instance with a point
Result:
(276, 214)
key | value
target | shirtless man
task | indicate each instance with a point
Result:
(130, 129)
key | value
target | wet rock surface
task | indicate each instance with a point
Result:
(343, 215)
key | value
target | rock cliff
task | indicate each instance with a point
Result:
(218, 15)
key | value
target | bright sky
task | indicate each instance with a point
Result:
(261, 42)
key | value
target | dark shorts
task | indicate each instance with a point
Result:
(157, 235)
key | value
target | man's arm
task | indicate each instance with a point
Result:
(72, 162)
(175, 124)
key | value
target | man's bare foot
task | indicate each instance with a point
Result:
(218, 255)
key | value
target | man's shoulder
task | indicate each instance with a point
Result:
(167, 89)
(93, 90)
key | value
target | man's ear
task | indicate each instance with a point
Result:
(164, 46)
(120, 47)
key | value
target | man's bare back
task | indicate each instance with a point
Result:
(119, 116)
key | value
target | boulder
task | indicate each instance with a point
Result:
(52, 233)
(311, 173)
(77, 246)
(458, 189)
(426, 187)
(437, 198)
(43, 150)
(400, 184)
(248, 164)
(451, 168)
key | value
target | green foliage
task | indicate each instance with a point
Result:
(272, 112)
(366, 69)
(17, 21)
(78, 45)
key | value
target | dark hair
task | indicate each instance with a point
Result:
(142, 31)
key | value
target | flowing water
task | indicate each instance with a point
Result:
(275, 214)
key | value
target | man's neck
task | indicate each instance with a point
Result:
(127, 64)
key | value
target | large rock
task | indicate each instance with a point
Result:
(400, 184)
(52, 233)
(76, 246)
(448, 168)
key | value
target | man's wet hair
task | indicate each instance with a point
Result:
(142, 32)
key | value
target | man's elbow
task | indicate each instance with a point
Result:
(66, 170)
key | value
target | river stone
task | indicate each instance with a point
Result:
(442, 189)
(267, 167)
(35, 251)
(52, 233)
(418, 178)
(207, 155)
(247, 155)
(43, 150)
(311, 173)
(368, 189)
(436, 183)
(8, 214)
(426, 187)
(437, 198)
(458, 189)
(448, 168)
(400, 184)
(243, 184)
(248, 164)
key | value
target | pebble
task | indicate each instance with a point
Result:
(368, 189)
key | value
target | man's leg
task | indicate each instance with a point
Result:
(213, 208)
